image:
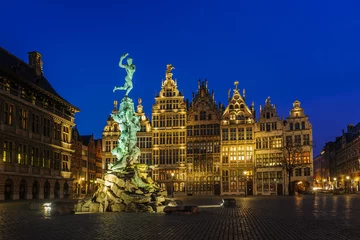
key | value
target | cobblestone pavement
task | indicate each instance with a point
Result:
(303, 217)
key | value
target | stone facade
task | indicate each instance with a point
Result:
(203, 143)
(343, 158)
(237, 146)
(169, 136)
(229, 151)
(144, 136)
(110, 136)
(35, 132)
(86, 169)
(269, 178)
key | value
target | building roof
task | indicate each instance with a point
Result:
(13, 66)
(86, 139)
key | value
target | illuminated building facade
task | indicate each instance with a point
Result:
(203, 143)
(144, 136)
(270, 175)
(297, 130)
(35, 132)
(237, 146)
(203, 149)
(169, 136)
(343, 156)
(110, 136)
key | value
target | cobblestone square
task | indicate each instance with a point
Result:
(301, 217)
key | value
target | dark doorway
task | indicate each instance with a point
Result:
(22, 189)
(249, 188)
(279, 189)
(66, 190)
(35, 190)
(46, 190)
(8, 192)
(57, 190)
(217, 188)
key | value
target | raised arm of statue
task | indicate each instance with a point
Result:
(121, 59)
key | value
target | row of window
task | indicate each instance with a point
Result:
(268, 142)
(204, 130)
(268, 127)
(29, 155)
(169, 156)
(236, 134)
(169, 138)
(237, 154)
(298, 172)
(36, 99)
(34, 122)
(144, 142)
(170, 103)
(203, 147)
(203, 116)
(297, 139)
(175, 120)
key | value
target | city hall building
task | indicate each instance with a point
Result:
(35, 132)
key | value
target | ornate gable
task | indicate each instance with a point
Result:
(268, 111)
(237, 110)
(204, 101)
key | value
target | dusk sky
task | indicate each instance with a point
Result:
(288, 50)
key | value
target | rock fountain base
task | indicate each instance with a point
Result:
(131, 190)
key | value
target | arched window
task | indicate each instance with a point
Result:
(297, 126)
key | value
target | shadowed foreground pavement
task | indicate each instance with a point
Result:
(304, 217)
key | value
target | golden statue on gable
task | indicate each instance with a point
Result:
(169, 68)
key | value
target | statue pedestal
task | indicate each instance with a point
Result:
(128, 191)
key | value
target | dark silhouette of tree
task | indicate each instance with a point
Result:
(292, 158)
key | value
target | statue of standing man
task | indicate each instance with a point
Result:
(130, 70)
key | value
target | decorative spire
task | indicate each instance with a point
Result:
(115, 105)
(229, 91)
(198, 83)
(169, 74)
(139, 107)
(244, 94)
(236, 83)
(260, 108)
(267, 101)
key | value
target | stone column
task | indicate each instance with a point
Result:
(71, 193)
(29, 185)
(52, 187)
(41, 188)
(16, 188)
(2, 188)
(61, 182)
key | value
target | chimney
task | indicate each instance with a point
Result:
(350, 128)
(36, 62)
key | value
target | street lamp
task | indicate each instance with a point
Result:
(245, 173)
(347, 184)
(334, 185)
(172, 183)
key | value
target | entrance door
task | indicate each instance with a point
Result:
(217, 188)
(249, 188)
(279, 189)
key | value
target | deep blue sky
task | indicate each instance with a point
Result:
(306, 50)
